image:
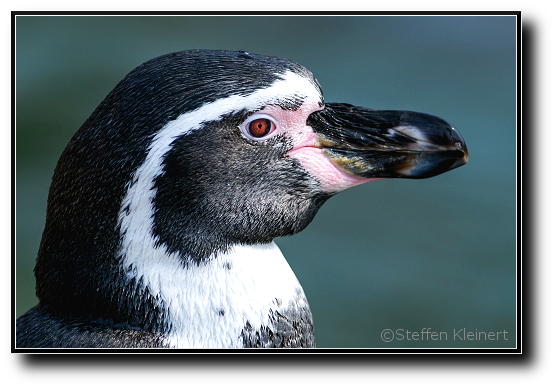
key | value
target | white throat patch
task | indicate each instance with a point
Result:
(209, 305)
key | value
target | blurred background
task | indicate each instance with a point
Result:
(402, 255)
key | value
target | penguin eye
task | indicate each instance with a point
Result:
(258, 127)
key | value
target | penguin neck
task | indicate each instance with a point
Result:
(221, 300)
(202, 303)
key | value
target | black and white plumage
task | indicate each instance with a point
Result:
(164, 205)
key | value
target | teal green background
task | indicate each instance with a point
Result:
(438, 253)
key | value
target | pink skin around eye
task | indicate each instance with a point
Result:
(294, 125)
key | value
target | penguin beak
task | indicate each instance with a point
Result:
(371, 143)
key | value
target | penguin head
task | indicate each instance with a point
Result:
(196, 151)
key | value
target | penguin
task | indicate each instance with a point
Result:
(164, 205)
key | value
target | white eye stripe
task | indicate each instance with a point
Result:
(258, 116)
(147, 261)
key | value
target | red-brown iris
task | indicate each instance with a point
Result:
(260, 127)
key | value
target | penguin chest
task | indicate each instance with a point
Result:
(246, 297)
